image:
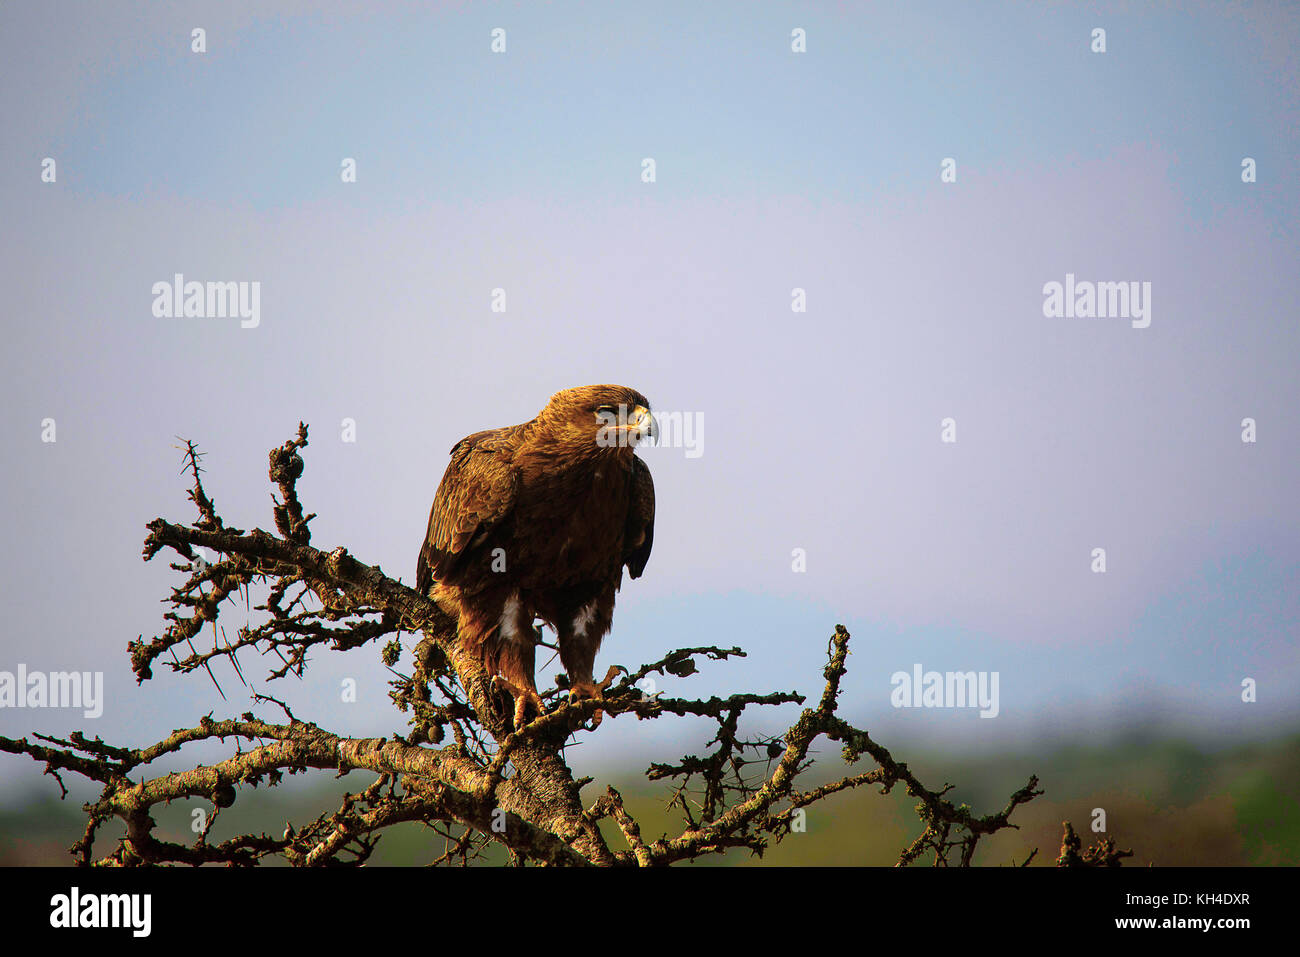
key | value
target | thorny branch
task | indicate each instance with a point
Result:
(461, 769)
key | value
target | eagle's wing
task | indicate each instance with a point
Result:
(639, 534)
(477, 492)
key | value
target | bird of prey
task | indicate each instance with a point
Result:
(537, 521)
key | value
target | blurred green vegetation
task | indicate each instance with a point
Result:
(1171, 802)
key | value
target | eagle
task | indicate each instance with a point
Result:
(538, 521)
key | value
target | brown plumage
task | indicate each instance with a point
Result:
(538, 521)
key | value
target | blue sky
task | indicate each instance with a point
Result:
(775, 170)
(716, 91)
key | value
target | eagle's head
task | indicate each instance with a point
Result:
(600, 417)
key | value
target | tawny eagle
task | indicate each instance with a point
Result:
(537, 521)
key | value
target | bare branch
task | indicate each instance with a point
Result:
(461, 768)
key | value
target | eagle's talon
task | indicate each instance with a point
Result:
(523, 697)
(581, 689)
(593, 692)
(614, 672)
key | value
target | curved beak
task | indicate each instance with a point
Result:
(643, 423)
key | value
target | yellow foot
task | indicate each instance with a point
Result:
(580, 689)
(525, 698)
